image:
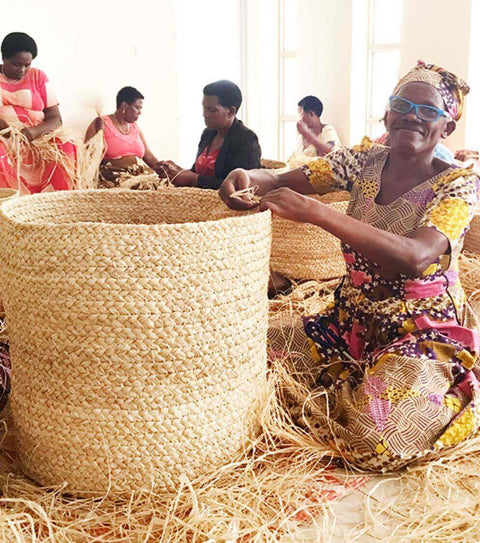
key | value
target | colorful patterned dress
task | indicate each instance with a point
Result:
(396, 355)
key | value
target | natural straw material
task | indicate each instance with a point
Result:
(472, 237)
(5, 194)
(305, 251)
(138, 334)
(270, 164)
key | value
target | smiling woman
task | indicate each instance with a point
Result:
(397, 354)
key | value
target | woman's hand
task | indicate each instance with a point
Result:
(28, 133)
(466, 154)
(236, 180)
(4, 126)
(290, 205)
(167, 168)
(303, 129)
(240, 179)
(178, 176)
(185, 178)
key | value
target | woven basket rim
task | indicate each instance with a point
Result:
(8, 205)
(6, 190)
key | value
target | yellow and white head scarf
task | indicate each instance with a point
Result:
(451, 88)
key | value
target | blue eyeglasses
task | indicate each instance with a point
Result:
(422, 111)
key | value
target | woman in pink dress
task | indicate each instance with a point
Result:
(28, 104)
(126, 151)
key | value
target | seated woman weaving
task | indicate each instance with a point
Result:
(36, 157)
(225, 144)
(397, 353)
(315, 137)
(126, 151)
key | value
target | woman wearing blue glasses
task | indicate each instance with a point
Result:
(397, 353)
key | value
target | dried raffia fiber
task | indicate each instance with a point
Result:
(306, 298)
(304, 251)
(40, 152)
(88, 158)
(43, 151)
(143, 181)
(139, 350)
(281, 484)
(270, 164)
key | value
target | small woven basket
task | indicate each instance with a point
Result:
(138, 328)
(304, 251)
(271, 164)
(472, 237)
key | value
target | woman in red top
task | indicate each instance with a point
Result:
(225, 144)
(126, 151)
(28, 103)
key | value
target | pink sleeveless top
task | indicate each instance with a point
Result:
(119, 144)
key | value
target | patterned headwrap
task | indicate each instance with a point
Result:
(451, 88)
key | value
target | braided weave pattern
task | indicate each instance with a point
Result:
(138, 333)
(5, 194)
(472, 237)
(305, 251)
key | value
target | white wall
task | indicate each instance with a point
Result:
(208, 49)
(169, 49)
(261, 72)
(92, 49)
(472, 128)
(325, 45)
(438, 32)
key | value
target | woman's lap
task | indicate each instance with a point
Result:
(398, 409)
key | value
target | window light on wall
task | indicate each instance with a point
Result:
(385, 24)
(288, 77)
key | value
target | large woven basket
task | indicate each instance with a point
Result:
(5, 194)
(305, 251)
(472, 237)
(138, 334)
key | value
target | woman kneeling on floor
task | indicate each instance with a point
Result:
(397, 352)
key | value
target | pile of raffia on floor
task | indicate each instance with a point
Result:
(286, 482)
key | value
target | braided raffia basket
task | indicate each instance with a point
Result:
(271, 164)
(472, 237)
(305, 251)
(138, 334)
(5, 194)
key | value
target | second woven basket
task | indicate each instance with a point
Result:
(138, 327)
(472, 237)
(305, 251)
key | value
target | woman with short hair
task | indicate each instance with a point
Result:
(225, 144)
(127, 154)
(28, 103)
